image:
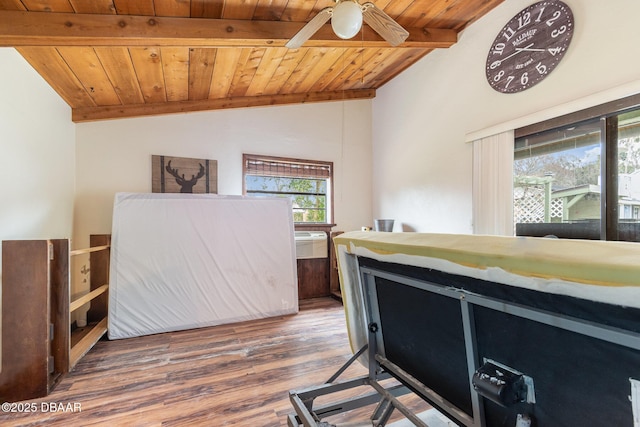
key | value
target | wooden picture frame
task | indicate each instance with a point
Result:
(183, 175)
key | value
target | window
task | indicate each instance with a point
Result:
(307, 183)
(580, 179)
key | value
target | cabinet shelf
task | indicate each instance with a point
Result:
(76, 304)
(83, 339)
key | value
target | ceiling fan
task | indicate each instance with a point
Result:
(346, 20)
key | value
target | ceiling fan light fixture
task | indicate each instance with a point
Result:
(346, 20)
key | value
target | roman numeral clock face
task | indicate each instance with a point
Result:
(530, 46)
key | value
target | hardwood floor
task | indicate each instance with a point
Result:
(237, 374)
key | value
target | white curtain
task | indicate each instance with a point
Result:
(493, 185)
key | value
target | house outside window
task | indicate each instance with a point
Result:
(308, 183)
(581, 179)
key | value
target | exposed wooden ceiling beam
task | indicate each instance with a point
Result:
(20, 28)
(88, 114)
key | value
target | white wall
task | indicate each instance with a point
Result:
(422, 118)
(115, 156)
(37, 166)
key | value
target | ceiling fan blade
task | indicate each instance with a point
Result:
(383, 24)
(310, 28)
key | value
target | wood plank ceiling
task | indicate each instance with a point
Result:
(125, 58)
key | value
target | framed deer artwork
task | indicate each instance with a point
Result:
(183, 175)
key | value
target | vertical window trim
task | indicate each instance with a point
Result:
(609, 213)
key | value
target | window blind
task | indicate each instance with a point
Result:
(266, 166)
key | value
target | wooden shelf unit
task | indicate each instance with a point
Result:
(38, 347)
(99, 257)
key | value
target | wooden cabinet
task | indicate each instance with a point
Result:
(313, 273)
(319, 277)
(313, 278)
(37, 344)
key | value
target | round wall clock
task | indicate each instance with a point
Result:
(530, 46)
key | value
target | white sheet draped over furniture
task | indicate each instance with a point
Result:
(187, 261)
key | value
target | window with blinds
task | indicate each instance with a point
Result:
(307, 183)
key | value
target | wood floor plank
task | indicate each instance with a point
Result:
(228, 375)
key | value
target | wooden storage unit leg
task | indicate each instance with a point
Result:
(60, 294)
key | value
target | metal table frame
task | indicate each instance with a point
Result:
(381, 368)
